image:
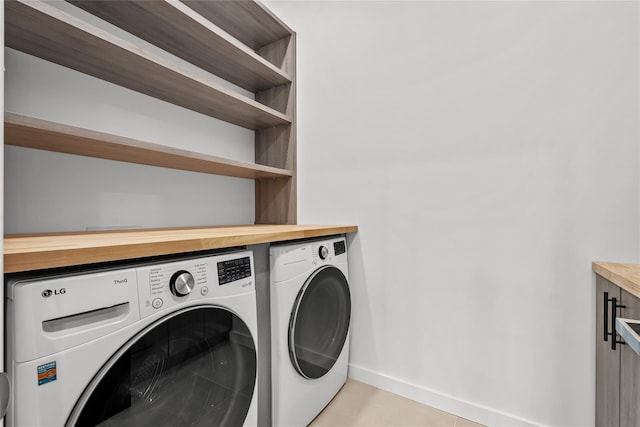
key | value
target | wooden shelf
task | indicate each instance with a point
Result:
(30, 132)
(40, 251)
(181, 31)
(39, 29)
(249, 22)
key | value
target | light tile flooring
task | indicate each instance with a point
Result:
(361, 405)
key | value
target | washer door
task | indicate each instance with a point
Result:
(194, 367)
(319, 322)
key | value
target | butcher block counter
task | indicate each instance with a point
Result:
(39, 251)
(625, 276)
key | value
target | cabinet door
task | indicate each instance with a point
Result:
(629, 369)
(607, 360)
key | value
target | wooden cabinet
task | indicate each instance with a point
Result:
(629, 369)
(617, 365)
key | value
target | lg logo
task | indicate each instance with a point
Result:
(48, 292)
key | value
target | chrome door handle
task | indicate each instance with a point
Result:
(628, 330)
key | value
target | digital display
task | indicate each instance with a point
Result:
(233, 269)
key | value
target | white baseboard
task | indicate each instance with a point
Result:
(471, 411)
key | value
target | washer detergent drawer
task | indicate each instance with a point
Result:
(57, 314)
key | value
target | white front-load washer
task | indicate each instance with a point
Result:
(310, 316)
(169, 343)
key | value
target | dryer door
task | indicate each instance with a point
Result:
(319, 322)
(194, 367)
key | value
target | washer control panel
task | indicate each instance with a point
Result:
(233, 269)
(166, 285)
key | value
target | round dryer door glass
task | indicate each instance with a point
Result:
(196, 367)
(319, 322)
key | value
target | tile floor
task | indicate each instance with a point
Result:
(361, 405)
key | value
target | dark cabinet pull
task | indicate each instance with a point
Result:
(614, 307)
(606, 316)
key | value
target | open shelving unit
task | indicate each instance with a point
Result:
(241, 42)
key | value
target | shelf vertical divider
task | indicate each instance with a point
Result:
(276, 199)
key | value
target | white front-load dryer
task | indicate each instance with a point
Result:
(172, 343)
(310, 316)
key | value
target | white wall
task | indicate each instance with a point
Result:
(47, 191)
(488, 152)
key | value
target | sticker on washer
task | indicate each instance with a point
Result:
(47, 373)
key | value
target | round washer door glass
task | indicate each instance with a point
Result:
(319, 322)
(194, 367)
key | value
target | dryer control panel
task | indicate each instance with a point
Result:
(289, 261)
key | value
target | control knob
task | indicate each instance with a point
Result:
(323, 252)
(181, 283)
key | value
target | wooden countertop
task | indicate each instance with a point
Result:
(626, 276)
(39, 251)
